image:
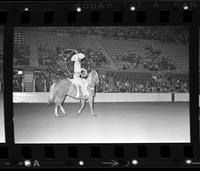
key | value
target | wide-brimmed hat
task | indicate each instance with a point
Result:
(77, 57)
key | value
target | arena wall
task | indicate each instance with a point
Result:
(182, 97)
(28, 97)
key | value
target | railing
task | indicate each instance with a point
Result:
(27, 97)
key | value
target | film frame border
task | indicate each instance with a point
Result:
(138, 155)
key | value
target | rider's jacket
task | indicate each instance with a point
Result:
(77, 67)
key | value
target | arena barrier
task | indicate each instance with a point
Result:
(27, 97)
(181, 97)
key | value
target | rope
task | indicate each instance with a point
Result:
(65, 59)
(72, 50)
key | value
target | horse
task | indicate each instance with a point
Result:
(59, 90)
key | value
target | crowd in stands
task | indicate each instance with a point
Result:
(21, 55)
(44, 79)
(55, 65)
(96, 57)
(161, 83)
(115, 83)
(154, 60)
(17, 82)
(164, 34)
(51, 58)
(46, 54)
(40, 81)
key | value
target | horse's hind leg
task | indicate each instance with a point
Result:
(91, 102)
(56, 111)
(92, 108)
(62, 109)
(60, 105)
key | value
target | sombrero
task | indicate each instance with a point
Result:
(77, 57)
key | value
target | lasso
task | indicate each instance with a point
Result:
(65, 58)
(72, 50)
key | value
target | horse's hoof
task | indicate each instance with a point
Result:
(94, 114)
(57, 116)
(78, 114)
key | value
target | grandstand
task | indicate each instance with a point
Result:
(37, 49)
(176, 51)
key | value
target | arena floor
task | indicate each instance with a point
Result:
(2, 125)
(115, 123)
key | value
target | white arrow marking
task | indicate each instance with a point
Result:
(112, 163)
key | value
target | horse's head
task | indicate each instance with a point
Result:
(94, 77)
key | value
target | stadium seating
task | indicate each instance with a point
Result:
(178, 52)
(105, 49)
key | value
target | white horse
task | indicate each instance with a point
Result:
(60, 89)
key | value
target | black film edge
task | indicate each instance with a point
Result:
(102, 29)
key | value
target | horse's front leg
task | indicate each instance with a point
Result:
(91, 102)
(82, 105)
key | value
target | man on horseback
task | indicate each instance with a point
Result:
(78, 72)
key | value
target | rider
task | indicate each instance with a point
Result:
(77, 73)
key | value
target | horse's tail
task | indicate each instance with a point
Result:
(51, 94)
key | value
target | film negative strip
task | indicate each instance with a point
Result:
(136, 63)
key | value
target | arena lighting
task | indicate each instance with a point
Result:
(78, 9)
(81, 163)
(134, 162)
(26, 9)
(188, 161)
(27, 163)
(20, 72)
(185, 6)
(132, 8)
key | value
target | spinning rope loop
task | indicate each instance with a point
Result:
(66, 56)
